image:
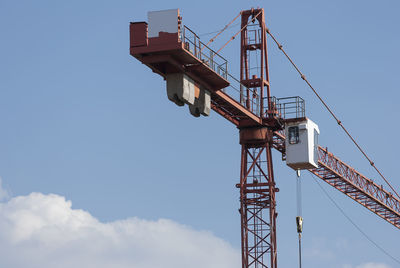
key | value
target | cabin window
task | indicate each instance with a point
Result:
(294, 135)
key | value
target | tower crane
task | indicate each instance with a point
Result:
(198, 76)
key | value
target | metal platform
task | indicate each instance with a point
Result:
(179, 52)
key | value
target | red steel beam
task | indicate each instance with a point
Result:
(257, 203)
(257, 207)
(231, 109)
(167, 54)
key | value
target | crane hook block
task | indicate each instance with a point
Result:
(299, 222)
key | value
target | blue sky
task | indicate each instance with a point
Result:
(81, 119)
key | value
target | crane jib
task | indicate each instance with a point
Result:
(352, 183)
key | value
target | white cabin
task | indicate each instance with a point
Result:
(301, 144)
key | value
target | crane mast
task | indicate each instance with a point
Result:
(257, 183)
(176, 52)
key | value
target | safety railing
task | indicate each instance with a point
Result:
(247, 97)
(287, 108)
(201, 51)
(291, 107)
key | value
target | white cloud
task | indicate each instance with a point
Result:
(4, 194)
(319, 250)
(368, 265)
(44, 231)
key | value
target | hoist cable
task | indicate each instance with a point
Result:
(330, 111)
(298, 195)
(353, 223)
(299, 218)
(299, 250)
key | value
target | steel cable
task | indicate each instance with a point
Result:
(330, 111)
(353, 223)
(217, 31)
(299, 210)
(223, 29)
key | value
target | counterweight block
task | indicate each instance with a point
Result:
(182, 89)
(202, 103)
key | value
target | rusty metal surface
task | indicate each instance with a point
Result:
(235, 110)
(167, 53)
(184, 52)
(258, 207)
(257, 184)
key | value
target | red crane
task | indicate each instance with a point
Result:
(173, 51)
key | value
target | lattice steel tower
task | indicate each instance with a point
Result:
(257, 184)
